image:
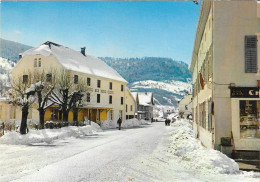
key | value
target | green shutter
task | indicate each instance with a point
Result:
(251, 54)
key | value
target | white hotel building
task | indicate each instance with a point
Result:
(226, 73)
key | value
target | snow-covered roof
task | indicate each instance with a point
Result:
(145, 98)
(75, 60)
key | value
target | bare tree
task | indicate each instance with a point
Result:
(22, 94)
(44, 86)
(68, 93)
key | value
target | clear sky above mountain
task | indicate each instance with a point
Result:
(115, 29)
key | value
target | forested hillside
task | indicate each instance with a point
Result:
(147, 68)
(10, 50)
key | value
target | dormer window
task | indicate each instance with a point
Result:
(35, 63)
(76, 79)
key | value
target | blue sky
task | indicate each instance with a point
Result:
(116, 29)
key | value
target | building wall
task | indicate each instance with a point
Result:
(203, 64)
(233, 20)
(7, 111)
(130, 101)
(51, 65)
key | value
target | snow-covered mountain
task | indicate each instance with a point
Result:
(176, 87)
(168, 79)
(165, 92)
(5, 80)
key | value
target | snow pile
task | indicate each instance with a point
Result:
(129, 123)
(108, 124)
(95, 126)
(47, 135)
(194, 156)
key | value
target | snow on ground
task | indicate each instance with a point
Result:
(46, 135)
(111, 124)
(49, 135)
(173, 86)
(183, 158)
(194, 156)
(154, 153)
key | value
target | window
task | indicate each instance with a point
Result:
(35, 63)
(186, 107)
(48, 77)
(131, 107)
(202, 115)
(88, 97)
(122, 88)
(251, 54)
(25, 78)
(76, 79)
(110, 99)
(110, 85)
(88, 81)
(98, 83)
(39, 63)
(122, 100)
(249, 119)
(98, 98)
(126, 108)
(210, 112)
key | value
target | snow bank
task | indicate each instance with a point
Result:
(110, 124)
(194, 156)
(47, 135)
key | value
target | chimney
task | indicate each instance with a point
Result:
(83, 49)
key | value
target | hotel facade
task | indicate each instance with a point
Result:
(106, 96)
(225, 76)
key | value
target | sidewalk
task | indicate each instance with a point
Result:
(249, 165)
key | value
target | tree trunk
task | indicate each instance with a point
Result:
(75, 114)
(65, 115)
(23, 126)
(41, 117)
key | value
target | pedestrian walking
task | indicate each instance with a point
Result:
(119, 122)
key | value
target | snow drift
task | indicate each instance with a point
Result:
(194, 156)
(48, 135)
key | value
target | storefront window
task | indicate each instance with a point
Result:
(249, 119)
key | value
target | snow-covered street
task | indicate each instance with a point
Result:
(147, 153)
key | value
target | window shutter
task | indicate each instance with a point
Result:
(251, 54)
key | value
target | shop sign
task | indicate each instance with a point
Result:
(244, 92)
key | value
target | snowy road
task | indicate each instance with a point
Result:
(93, 158)
(138, 154)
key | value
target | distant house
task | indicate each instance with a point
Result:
(145, 103)
(105, 98)
(167, 110)
(130, 106)
(185, 106)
